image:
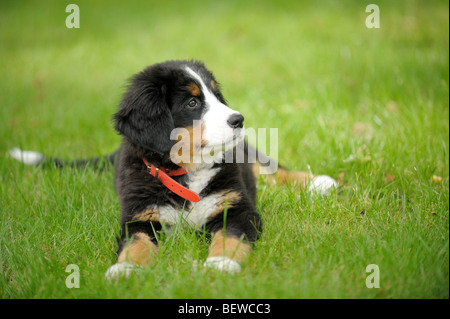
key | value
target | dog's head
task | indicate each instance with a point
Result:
(169, 99)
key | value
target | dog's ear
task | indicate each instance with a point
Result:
(144, 115)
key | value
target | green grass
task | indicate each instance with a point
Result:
(369, 107)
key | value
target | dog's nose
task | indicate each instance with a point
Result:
(236, 120)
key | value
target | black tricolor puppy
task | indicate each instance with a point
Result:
(162, 101)
(177, 132)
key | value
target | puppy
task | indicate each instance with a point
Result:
(183, 160)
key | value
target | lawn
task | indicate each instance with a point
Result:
(369, 107)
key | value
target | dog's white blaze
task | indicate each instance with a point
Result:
(216, 129)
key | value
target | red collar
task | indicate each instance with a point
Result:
(163, 175)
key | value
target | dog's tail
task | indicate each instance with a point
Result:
(33, 158)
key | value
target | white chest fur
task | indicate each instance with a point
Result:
(199, 212)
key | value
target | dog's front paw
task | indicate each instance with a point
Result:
(223, 264)
(322, 185)
(121, 270)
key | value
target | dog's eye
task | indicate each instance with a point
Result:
(192, 103)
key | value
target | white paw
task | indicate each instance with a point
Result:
(26, 157)
(223, 264)
(322, 185)
(121, 270)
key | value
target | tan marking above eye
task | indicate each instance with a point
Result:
(213, 85)
(193, 89)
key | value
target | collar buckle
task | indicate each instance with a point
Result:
(164, 174)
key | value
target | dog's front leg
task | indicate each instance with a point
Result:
(137, 250)
(140, 251)
(227, 252)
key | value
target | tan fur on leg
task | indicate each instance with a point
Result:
(229, 246)
(140, 251)
(283, 176)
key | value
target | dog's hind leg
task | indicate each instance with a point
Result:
(271, 171)
(314, 184)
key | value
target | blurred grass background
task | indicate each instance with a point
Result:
(367, 106)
